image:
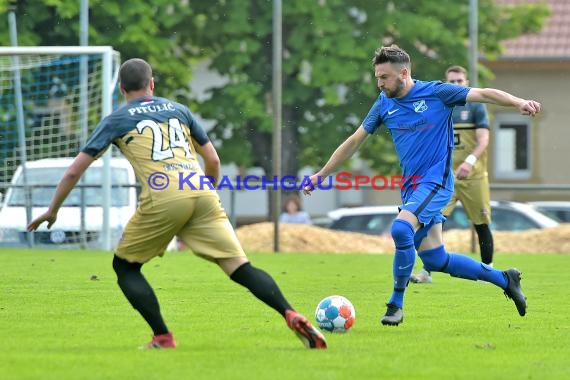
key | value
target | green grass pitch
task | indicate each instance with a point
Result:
(62, 316)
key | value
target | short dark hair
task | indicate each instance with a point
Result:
(456, 69)
(295, 199)
(391, 54)
(135, 74)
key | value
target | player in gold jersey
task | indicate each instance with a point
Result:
(162, 140)
(471, 137)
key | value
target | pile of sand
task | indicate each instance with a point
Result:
(550, 240)
(310, 239)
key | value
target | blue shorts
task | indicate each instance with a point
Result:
(426, 202)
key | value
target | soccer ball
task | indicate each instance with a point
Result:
(335, 314)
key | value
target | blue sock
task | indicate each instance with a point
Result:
(462, 266)
(404, 258)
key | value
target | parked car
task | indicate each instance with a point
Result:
(43, 176)
(377, 220)
(505, 216)
(372, 220)
(558, 210)
(322, 221)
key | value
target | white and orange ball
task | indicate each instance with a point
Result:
(335, 314)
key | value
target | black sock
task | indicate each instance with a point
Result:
(485, 242)
(139, 293)
(262, 286)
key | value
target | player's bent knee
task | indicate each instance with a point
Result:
(122, 266)
(402, 233)
(435, 260)
(230, 265)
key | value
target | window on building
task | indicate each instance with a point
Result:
(512, 147)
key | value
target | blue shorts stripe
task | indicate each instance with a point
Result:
(428, 199)
(426, 202)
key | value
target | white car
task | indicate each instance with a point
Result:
(372, 220)
(559, 210)
(377, 220)
(42, 177)
(505, 216)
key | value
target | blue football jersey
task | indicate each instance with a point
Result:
(421, 126)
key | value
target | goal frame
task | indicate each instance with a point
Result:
(108, 80)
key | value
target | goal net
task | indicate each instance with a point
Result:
(51, 98)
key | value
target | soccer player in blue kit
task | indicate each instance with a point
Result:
(418, 116)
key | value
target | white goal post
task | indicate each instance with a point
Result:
(51, 98)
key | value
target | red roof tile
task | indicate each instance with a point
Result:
(552, 42)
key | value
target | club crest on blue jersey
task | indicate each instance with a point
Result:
(420, 106)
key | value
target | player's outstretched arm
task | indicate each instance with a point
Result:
(212, 166)
(66, 184)
(340, 155)
(502, 98)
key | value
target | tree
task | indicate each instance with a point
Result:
(328, 83)
(138, 28)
